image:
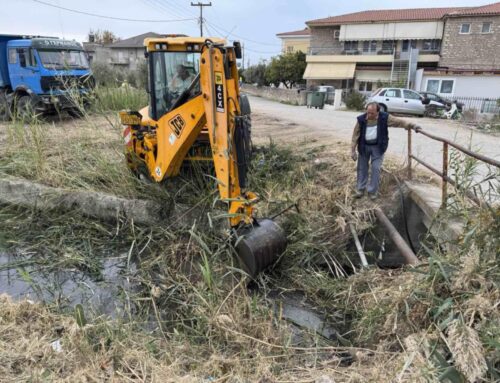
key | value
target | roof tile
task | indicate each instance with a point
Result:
(302, 32)
(405, 14)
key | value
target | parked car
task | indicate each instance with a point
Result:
(442, 100)
(328, 89)
(397, 100)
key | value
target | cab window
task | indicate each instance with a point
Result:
(12, 56)
(26, 57)
(173, 80)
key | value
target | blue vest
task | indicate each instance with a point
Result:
(382, 132)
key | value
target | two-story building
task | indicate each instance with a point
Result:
(360, 50)
(406, 47)
(469, 64)
(295, 41)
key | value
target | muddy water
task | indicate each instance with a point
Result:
(106, 294)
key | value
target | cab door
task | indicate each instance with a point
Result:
(412, 102)
(392, 98)
(24, 70)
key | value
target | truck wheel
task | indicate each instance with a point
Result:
(4, 108)
(76, 112)
(24, 108)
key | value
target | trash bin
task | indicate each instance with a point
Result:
(316, 99)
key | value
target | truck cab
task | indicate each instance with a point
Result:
(43, 74)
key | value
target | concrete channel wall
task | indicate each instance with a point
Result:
(288, 96)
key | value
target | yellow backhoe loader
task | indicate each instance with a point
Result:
(196, 113)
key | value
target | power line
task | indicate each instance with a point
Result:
(220, 30)
(183, 11)
(158, 5)
(241, 37)
(201, 5)
(256, 51)
(109, 17)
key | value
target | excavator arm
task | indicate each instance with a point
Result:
(206, 114)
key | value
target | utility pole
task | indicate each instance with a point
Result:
(201, 5)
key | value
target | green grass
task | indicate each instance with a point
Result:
(122, 98)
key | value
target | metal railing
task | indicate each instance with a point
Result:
(444, 173)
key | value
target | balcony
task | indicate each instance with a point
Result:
(359, 56)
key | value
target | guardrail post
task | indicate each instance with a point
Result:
(444, 196)
(409, 154)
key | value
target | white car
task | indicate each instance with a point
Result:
(397, 100)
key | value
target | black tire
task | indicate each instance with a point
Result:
(383, 108)
(4, 108)
(245, 105)
(24, 108)
(431, 111)
(76, 112)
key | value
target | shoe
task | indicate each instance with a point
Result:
(373, 196)
(359, 193)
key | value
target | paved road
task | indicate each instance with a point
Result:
(330, 126)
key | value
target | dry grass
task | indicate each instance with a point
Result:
(190, 316)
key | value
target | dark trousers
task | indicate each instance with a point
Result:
(373, 153)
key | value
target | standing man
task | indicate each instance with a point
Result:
(371, 138)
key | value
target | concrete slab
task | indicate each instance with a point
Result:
(428, 198)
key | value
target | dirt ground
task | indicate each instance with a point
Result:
(331, 126)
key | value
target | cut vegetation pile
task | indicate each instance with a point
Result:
(185, 312)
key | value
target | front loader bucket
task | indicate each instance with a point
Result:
(259, 245)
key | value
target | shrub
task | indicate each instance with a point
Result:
(355, 101)
(107, 75)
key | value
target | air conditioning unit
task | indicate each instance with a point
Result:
(336, 34)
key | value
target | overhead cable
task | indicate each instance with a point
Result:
(110, 17)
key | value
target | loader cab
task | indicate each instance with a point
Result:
(172, 74)
(174, 67)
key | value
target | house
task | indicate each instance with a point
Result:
(126, 54)
(295, 41)
(407, 47)
(129, 53)
(470, 56)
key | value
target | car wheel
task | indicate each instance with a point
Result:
(383, 108)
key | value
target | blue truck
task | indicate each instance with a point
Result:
(42, 75)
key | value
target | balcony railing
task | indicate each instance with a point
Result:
(341, 51)
(360, 52)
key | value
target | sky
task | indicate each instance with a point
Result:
(253, 22)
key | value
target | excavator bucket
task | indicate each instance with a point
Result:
(259, 245)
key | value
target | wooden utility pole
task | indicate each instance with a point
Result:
(201, 5)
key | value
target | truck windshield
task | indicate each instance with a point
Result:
(173, 73)
(54, 59)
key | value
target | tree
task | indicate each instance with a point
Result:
(102, 37)
(256, 75)
(287, 69)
